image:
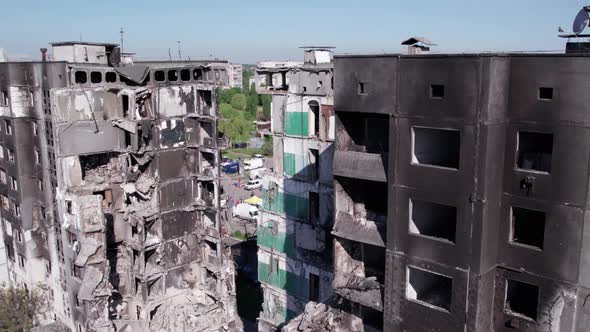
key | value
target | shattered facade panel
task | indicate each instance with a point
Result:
(294, 240)
(117, 204)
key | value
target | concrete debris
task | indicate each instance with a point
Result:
(88, 247)
(127, 125)
(90, 282)
(322, 317)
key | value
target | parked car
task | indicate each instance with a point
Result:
(245, 211)
(254, 163)
(253, 184)
(259, 156)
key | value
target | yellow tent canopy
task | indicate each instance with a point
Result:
(254, 200)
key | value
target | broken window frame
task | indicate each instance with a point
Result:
(8, 126)
(420, 299)
(3, 97)
(434, 134)
(507, 296)
(532, 139)
(514, 239)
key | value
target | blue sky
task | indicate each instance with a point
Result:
(249, 31)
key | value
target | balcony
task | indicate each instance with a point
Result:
(359, 165)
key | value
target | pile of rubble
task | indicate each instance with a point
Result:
(322, 317)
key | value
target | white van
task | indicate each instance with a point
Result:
(256, 173)
(254, 163)
(245, 211)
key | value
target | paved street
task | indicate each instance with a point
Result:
(234, 190)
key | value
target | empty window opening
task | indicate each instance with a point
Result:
(107, 198)
(371, 318)
(437, 147)
(528, 227)
(314, 164)
(314, 107)
(534, 151)
(125, 104)
(314, 287)
(362, 133)
(172, 75)
(98, 167)
(81, 77)
(362, 88)
(437, 91)
(432, 219)
(13, 183)
(159, 76)
(522, 299)
(95, 77)
(128, 141)
(153, 312)
(545, 93)
(35, 129)
(110, 77)
(314, 207)
(185, 75)
(4, 98)
(10, 153)
(198, 74)
(430, 288)
(205, 101)
(8, 127)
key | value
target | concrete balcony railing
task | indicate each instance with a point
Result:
(360, 165)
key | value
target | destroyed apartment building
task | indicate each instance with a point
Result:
(109, 184)
(294, 241)
(461, 193)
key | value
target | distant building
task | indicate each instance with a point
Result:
(234, 73)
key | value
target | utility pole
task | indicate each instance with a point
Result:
(179, 54)
(121, 32)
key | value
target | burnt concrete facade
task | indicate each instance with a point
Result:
(112, 191)
(461, 191)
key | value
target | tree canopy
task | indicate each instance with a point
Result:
(21, 309)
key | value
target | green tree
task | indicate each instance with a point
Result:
(225, 95)
(238, 129)
(21, 309)
(252, 105)
(227, 111)
(267, 149)
(239, 102)
(246, 75)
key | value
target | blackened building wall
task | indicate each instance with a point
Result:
(486, 177)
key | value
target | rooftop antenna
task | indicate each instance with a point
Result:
(179, 54)
(121, 32)
(169, 54)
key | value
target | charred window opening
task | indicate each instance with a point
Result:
(197, 74)
(314, 287)
(159, 76)
(208, 190)
(362, 88)
(437, 91)
(107, 198)
(97, 167)
(69, 208)
(528, 227)
(75, 271)
(436, 147)
(208, 164)
(4, 98)
(205, 101)
(433, 219)
(534, 151)
(374, 262)
(314, 107)
(314, 207)
(185, 75)
(128, 140)
(8, 127)
(371, 317)
(363, 133)
(125, 103)
(95, 77)
(545, 93)
(313, 162)
(80, 77)
(172, 133)
(207, 133)
(362, 201)
(110, 77)
(431, 288)
(522, 299)
(137, 286)
(172, 75)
